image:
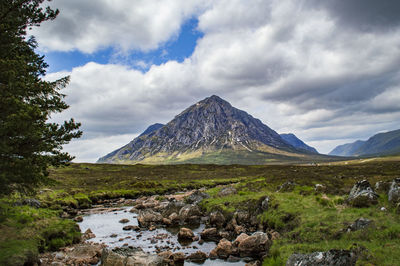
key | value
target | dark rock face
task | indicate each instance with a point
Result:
(329, 258)
(394, 191)
(226, 191)
(210, 124)
(190, 213)
(210, 234)
(173, 206)
(382, 186)
(362, 195)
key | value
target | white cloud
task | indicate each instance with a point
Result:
(293, 66)
(126, 25)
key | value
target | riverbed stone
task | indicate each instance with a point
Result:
(239, 239)
(224, 249)
(196, 197)
(130, 257)
(149, 217)
(198, 257)
(362, 195)
(256, 245)
(217, 219)
(210, 234)
(124, 221)
(189, 210)
(185, 234)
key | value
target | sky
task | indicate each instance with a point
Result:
(327, 71)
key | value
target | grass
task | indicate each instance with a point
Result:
(26, 231)
(307, 221)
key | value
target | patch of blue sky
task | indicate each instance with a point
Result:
(178, 48)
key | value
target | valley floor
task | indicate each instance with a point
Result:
(306, 217)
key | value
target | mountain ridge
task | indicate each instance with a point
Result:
(386, 143)
(207, 131)
(293, 140)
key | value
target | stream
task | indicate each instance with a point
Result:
(108, 230)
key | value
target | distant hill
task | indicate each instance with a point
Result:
(210, 131)
(387, 143)
(296, 142)
(348, 149)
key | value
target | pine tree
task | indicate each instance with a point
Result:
(29, 143)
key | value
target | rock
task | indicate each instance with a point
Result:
(329, 258)
(359, 224)
(87, 235)
(131, 227)
(274, 235)
(78, 219)
(178, 257)
(226, 191)
(239, 229)
(166, 221)
(217, 219)
(239, 239)
(196, 197)
(174, 218)
(30, 202)
(255, 263)
(362, 195)
(224, 234)
(149, 217)
(223, 249)
(242, 217)
(173, 206)
(394, 191)
(255, 245)
(130, 257)
(167, 256)
(286, 187)
(265, 204)
(210, 234)
(233, 259)
(382, 186)
(185, 234)
(198, 257)
(124, 221)
(319, 188)
(188, 211)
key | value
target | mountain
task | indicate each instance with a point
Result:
(210, 131)
(387, 143)
(348, 149)
(297, 143)
(151, 128)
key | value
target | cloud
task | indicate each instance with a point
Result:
(309, 69)
(126, 25)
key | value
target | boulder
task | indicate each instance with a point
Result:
(185, 234)
(226, 191)
(328, 258)
(149, 217)
(174, 218)
(196, 197)
(78, 219)
(189, 210)
(130, 257)
(87, 235)
(394, 191)
(359, 224)
(362, 195)
(30, 202)
(173, 206)
(223, 249)
(239, 239)
(198, 257)
(242, 217)
(210, 234)
(131, 227)
(255, 245)
(217, 219)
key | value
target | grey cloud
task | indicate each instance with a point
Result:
(364, 15)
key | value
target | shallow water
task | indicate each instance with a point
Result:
(105, 224)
